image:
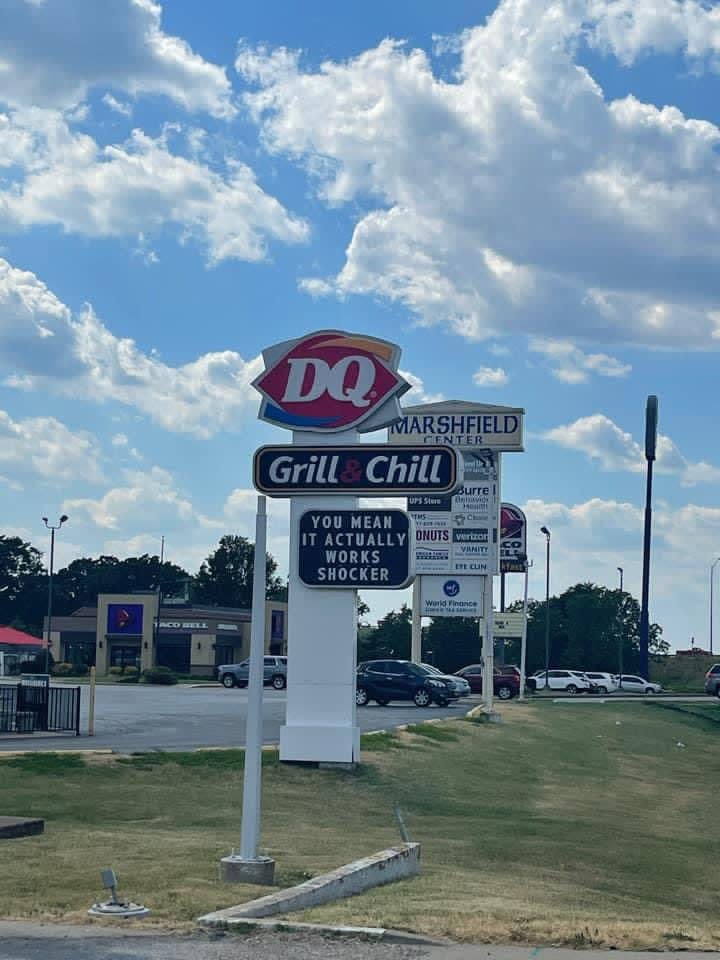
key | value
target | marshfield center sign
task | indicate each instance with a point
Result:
(459, 423)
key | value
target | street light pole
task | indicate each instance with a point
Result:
(620, 571)
(620, 635)
(712, 571)
(651, 418)
(547, 605)
(52, 528)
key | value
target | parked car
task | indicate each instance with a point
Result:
(506, 685)
(563, 681)
(236, 674)
(457, 686)
(386, 680)
(633, 684)
(712, 680)
(603, 682)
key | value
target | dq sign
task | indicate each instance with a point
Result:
(331, 381)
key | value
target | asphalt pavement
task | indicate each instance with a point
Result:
(35, 941)
(130, 718)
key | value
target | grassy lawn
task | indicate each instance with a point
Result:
(572, 824)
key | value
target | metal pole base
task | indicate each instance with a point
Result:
(235, 869)
(122, 909)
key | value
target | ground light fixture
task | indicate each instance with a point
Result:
(115, 907)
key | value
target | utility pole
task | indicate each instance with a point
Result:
(547, 606)
(651, 420)
(712, 571)
(52, 528)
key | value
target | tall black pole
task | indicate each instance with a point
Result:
(547, 605)
(651, 417)
(50, 600)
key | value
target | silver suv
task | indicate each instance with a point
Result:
(712, 680)
(236, 674)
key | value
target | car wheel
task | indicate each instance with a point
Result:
(650, 691)
(571, 689)
(602, 690)
(421, 698)
(361, 697)
(228, 680)
(717, 690)
(504, 692)
(279, 682)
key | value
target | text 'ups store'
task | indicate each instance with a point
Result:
(126, 630)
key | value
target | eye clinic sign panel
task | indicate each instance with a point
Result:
(355, 548)
(363, 470)
(458, 423)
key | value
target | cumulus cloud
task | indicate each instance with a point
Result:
(616, 450)
(490, 377)
(513, 197)
(42, 447)
(54, 53)
(570, 364)
(417, 392)
(43, 342)
(134, 189)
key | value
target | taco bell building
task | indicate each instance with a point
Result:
(128, 630)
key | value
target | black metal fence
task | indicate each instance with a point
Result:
(33, 705)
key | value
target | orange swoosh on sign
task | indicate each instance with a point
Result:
(371, 346)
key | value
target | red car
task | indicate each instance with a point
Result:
(506, 680)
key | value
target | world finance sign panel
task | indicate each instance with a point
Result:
(459, 534)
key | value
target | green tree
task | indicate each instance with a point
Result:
(23, 585)
(225, 577)
(589, 626)
(391, 637)
(80, 582)
(452, 642)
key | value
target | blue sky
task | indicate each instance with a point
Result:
(523, 195)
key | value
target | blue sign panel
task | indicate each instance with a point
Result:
(356, 548)
(125, 618)
(366, 469)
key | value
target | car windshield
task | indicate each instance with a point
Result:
(431, 669)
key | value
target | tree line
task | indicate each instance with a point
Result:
(224, 579)
(591, 628)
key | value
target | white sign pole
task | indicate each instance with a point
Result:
(252, 779)
(523, 639)
(320, 715)
(416, 626)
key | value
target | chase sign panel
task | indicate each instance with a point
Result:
(331, 381)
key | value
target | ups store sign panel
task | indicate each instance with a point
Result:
(365, 469)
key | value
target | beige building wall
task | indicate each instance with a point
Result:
(103, 642)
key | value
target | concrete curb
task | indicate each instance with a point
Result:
(395, 863)
(367, 933)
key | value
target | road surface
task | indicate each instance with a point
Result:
(130, 718)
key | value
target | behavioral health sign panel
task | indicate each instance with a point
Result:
(355, 548)
(450, 597)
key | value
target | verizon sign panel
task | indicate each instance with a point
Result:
(331, 381)
(458, 423)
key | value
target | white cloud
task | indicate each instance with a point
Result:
(134, 189)
(615, 450)
(513, 197)
(120, 440)
(124, 109)
(54, 53)
(417, 392)
(42, 447)
(490, 377)
(148, 499)
(42, 342)
(572, 365)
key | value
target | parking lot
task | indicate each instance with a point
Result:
(131, 718)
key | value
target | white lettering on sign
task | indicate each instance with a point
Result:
(351, 378)
(183, 625)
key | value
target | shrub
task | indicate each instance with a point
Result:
(80, 670)
(131, 671)
(115, 671)
(63, 669)
(160, 675)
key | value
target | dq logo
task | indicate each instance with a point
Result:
(331, 381)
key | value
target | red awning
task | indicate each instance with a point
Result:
(16, 638)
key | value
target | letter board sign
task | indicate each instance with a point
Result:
(355, 548)
(330, 381)
(363, 470)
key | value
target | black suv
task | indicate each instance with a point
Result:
(386, 680)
